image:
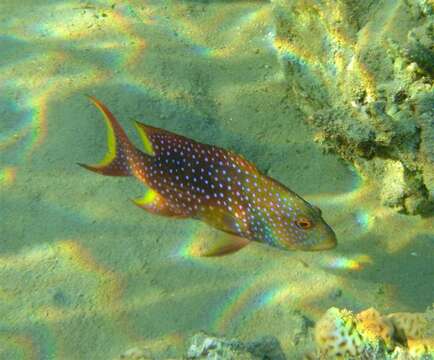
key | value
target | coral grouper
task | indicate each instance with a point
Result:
(187, 179)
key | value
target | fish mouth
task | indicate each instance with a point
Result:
(328, 242)
(325, 245)
(323, 239)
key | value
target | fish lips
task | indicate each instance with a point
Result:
(326, 241)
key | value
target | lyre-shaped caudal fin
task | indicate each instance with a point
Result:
(121, 153)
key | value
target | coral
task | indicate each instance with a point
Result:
(421, 349)
(339, 335)
(370, 335)
(410, 325)
(361, 73)
(372, 326)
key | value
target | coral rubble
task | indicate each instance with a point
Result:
(362, 75)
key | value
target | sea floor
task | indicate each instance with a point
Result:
(85, 274)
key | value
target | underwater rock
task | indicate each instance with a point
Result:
(341, 334)
(204, 346)
(136, 353)
(362, 74)
(393, 187)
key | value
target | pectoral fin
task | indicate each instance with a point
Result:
(211, 242)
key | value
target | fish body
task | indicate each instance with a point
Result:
(188, 179)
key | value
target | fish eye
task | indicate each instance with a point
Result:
(304, 223)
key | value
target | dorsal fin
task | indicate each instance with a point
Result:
(243, 163)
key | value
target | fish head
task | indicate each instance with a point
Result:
(306, 229)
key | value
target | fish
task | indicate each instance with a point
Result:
(188, 179)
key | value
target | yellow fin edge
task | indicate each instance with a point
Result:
(147, 199)
(111, 137)
(147, 145)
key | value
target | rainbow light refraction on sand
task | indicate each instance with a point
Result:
(7, 176)
(357, 263)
